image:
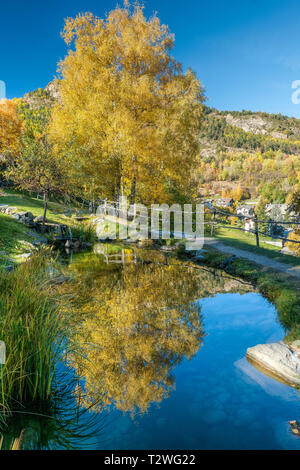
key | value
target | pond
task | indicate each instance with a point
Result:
(160, 348)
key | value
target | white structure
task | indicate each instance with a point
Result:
(249, 225)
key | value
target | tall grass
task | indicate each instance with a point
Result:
(33, 331)
(84, 232)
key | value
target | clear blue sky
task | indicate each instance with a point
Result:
(245, 52)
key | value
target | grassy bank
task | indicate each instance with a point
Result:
(32, 329)
(247, 241)
(278, 288)
(57, 212)
(15, 237)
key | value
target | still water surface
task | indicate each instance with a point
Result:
(162, 359)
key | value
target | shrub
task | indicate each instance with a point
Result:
(85, 232)
(295, 247)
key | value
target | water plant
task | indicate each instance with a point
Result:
(84, 232)
(33, 331)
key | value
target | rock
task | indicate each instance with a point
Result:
(11, 210)
(41, 241)
(25, 214)
(24, 256)
(295, 427)
(28, 218)
(27, 244)
(3, 207)
(53, 89)
(279, 359)
(29, 222)
(39, 219)
(167, 248)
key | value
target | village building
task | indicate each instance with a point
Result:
(224, 202)
(245, 210)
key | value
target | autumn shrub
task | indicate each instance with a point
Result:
(295, 247)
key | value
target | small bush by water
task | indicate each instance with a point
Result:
(84, 232)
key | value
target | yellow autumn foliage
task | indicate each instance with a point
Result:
(127, 110)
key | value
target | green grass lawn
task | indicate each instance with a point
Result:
(55, 212)
(247, 241)
(13, 234)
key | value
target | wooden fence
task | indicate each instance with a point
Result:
(214, 223)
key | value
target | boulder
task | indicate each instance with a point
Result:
(11, 210)
(41, 241)
(24, 256)
(295, 427)
(279, 359)
(39, 219)
(168, 247)
(3, 207)
(25, 214)
(29, 222)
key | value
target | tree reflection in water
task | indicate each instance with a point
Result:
(138, 322)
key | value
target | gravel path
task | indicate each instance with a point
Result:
(259, 259)
(293, 271)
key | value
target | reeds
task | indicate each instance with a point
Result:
(33, 331)
(16, 444)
